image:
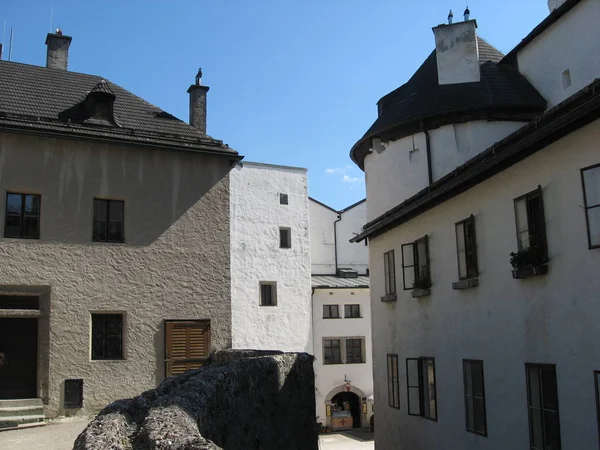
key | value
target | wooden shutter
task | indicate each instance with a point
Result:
(187, 345)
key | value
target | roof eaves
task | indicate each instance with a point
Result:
(354, 205)
(324, 205)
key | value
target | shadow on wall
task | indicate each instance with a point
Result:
(244, 402)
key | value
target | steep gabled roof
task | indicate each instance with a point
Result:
(50, 101)
(422, 103)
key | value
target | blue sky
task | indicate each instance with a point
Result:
(293, 82)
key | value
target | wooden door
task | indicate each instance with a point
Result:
(18, 358)
(187, 345)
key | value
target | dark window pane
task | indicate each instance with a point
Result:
(534, 387)
(32, 204)
(99, 230)
(107, 336)
(283, 199)
(479, 413)
(267, 294)
(551, 427)
(13, 203)
(537, 434)
(477, 369)
(470, 413)
(30, 226)
(549, 394)
(12, 226)
(22, 216)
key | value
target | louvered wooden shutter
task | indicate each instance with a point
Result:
(187, 345)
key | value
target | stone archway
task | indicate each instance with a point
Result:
(364, 422)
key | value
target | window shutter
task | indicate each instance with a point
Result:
(187, 346)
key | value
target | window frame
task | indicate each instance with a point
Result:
(539, 367)
(273, 298)
(283, 199)
(597, 389)
(393, 383)
(416, 266)
(339, 347)
(389, 270)
(287, 230)
(538, 192)
(329, 306)
(360, 347)
(464, 222)
(22, 215)
(472, 363)
(352, 316)
(107, 220)
(586, 207)
(122, 335)
(421, 388)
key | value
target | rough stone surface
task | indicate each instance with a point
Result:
(262, 402)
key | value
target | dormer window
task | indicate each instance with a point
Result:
(99, 105)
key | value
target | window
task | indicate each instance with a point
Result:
(283, 199)
(108, 220)
(354, 351)
(107, 336)
(389, 268)
(352, 311)
(590, 178)
(420, 383)
(474, 397)
(331, 351)
(285, 238)
(268, 293)
(542, 402)
(415, 264)
(393, 387)
(22, 218)
(331, 312)
(467, 249)
(531, 228)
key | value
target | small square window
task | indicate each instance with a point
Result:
(22, 218)
(283, 199)
(285, 238)
(108, 220)
(352, 311)
(331, 312)
(268, 293)
(107, 336)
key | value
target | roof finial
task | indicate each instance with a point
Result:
(467, 13)
(450, 17)
(59, 31)
(199, 77)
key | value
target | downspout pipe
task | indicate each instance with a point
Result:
(335, 241)
(428, 147)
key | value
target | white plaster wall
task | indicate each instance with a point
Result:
(453, 145)
(174, 263)
(395, 174)
(331, 376)
(322, 244)
(571, 43)
(457, 53)
(504, 322)
(352, 256)
(256, 216)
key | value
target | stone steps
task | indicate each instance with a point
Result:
(21, 413)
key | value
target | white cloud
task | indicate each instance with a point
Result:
(339, 169)
(348, 179)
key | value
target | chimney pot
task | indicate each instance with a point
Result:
(198, 103)
(450, 18)
(57, 56)
(467, 14)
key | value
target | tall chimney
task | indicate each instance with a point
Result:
(553, 4)
(198, 104)
(57, 56)
(457, 53)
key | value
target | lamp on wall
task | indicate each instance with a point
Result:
(347, 383)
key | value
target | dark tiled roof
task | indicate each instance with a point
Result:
(50, 100)
(333, 282)
(501, 93)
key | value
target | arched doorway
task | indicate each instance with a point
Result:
(353, 419)
(345, 402)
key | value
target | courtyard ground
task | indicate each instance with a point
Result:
(61, 435)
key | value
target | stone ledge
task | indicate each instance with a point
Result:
(465, 284)
(418, 293)
(19, 313)
(389, 298)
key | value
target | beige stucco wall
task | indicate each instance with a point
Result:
(174, 264)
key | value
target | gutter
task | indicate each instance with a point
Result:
(335, 241)
(428, 145)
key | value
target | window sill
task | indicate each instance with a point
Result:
(530, 271)
(389, 298)
(269, 306)
(465, 284)
(24, 238)
(108, 360)
(327, 318)
(353, 317)
(333, 364)
(108, 242)
(362, 362)
(418, 293)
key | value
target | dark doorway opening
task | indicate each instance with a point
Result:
(348, 400)
(18, 358)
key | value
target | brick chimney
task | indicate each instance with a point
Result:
(57, 56)
(198, 104)
(457, 52)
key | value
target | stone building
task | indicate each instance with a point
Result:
(114, 253)
(483, 196)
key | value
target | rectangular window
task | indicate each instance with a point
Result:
(542, 402)
(268, 293)
(590, 177)
(285, 238)
(331, 351)
(283, 199)
(22, 218)
(352, 311)
(108, 220)
(331, 312)
(393, 386)
(421, 390)
(389, 267)
(466, 248)
(415, 264)
(107, 336)
(531, 228)
(354, 351)
(474, 397)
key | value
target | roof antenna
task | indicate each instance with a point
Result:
(450, 18)
(467, 13)
(10, 44)
(51, 17)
